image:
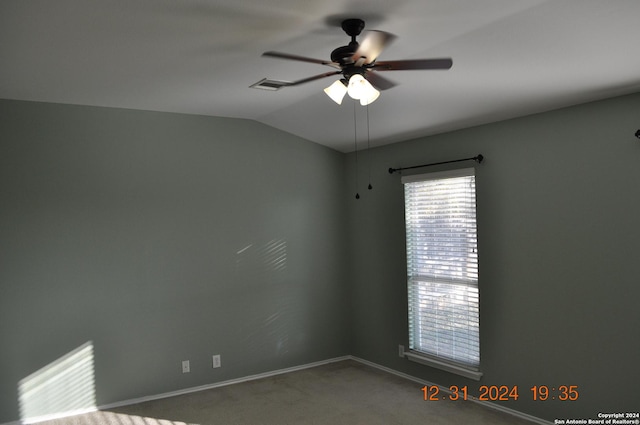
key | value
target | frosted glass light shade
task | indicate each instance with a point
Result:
(336, 91)
(372, 96)
(360, 89)
(357, 86)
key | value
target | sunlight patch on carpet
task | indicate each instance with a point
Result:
(64, 387)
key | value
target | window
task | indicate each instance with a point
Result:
(442, 271)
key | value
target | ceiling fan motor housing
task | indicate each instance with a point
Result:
(343, 55)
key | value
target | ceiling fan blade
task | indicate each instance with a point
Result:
(313, 78)
(372, 44)
(288, 56)
(442, 63)
(378, 81)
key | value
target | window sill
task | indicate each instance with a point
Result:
(458, 370)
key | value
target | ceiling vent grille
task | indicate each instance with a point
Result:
(266, 84)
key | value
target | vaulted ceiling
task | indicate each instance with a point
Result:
(510, 58)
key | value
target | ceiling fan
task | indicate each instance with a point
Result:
(358, 65)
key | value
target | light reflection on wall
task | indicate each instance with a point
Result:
(64, 387)
(275, 254)
(270, 256)
(276, 324)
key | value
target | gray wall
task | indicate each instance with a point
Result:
(559, 243)
(164, 237)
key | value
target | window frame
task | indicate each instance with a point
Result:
(467, 369)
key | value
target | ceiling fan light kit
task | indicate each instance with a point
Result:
(357, 87)
(358, 66)
(360, 89)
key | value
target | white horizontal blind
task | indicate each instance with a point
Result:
(442, 266)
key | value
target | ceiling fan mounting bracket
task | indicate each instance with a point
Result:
(353, 27)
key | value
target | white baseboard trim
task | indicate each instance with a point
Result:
(220, 384)
(487, 404)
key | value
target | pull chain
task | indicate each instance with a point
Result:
(369, 148)
(355, 142)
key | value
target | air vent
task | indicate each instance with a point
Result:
(266, 84)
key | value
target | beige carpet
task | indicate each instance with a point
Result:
(346, 392)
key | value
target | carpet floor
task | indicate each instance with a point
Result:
(345, 392)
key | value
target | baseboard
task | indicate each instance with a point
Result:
(218, 384)
(487, 404)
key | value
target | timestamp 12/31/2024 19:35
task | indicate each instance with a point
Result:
(501, 393)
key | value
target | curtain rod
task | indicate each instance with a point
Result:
(477, 159)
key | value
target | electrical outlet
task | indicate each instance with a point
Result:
(216, 361)
(401, 350)
(185, 366)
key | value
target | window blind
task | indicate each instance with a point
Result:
(442, 266)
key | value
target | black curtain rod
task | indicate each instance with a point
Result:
(477, 159)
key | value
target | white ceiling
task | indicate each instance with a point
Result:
(510, 58)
